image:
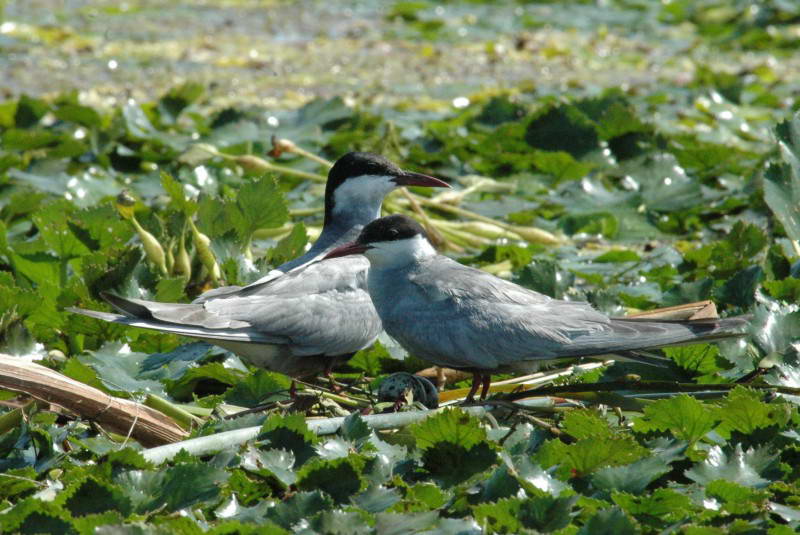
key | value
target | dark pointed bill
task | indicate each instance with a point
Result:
(347, 249)
(417, 179)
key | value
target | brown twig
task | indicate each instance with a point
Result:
(146, 425)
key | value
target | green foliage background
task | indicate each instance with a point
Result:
(674, 181)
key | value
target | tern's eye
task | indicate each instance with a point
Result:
(393, 233)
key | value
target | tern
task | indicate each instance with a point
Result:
(460, 317)
(306, 315)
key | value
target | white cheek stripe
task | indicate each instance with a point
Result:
(400, 252)
(362, 191)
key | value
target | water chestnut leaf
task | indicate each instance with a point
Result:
(587, 455)
(609, 522)
(91, 496)
(289, 247)
(744, 410)
(258, 388)
(685, 417)
(562, 128)
(751, 468)
(259, 204)
(340, 478)
(661, 507)
(290, 432)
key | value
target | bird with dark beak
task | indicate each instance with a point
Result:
(460, 317)
(306, 315)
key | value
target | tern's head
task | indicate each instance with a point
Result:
(395, 240)
(358, 182)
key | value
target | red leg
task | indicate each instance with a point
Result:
(334, 387)
(486, 379)
(293, 390)
(476, 381)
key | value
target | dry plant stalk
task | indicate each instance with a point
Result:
(146, 425)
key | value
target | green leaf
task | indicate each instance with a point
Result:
(29, 111)
(586, 424)
(300, 506)
(211, 378)
(340, 478)
(118, 369)
(685, 417)
(787, 290)
(609, 522)
(91, 496)
(355, 429)
(56, 231)
(36, 516)
(743, 410)
(341, 522)
(620, 255)
(452, 426)
(561, 165)
(740, 290)
(172, 488)
(562, 128)
(76, 113)
(737, 499)
(290, 432)
(276, 462)
(454, 446)
(377, 499)
(214, 217)
(178, 99)
(585, 456)
(170, 289)
(18, 481)
(545, 276)
(782, 180)
(259, 204)
(177, 196)
(698, 359)
(540, 513)
(634, 477)
(665, 505)
(258, 388)
(371, 360)
(289, 247)
(739, 250)
(751, 468)
(21, 140)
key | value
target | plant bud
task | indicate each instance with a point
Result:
(279, 146)
(252, 163)
(183, 264)
(534, 235)
(152, 247)
(488, 230)
(203, 245)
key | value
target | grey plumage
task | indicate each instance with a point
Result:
(307, 314)
(466, 318)
(293, 324)
(460, 317)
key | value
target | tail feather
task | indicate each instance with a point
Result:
(211, 335)
(178, 318)
(649, 334)
(191, 314)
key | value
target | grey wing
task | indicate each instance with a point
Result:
(462, 317)
(320, 309)
(323, 307)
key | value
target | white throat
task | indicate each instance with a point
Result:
(360, 198)
(398, 253)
